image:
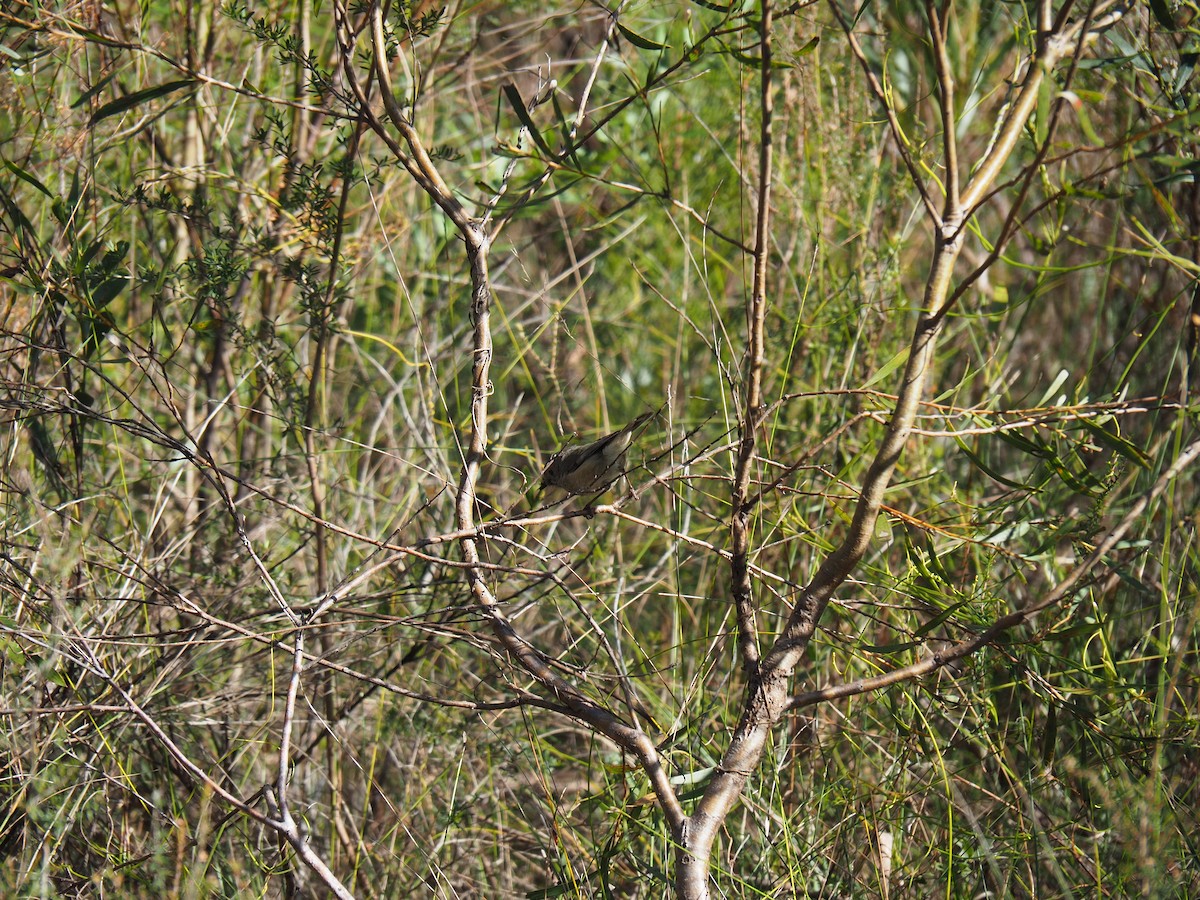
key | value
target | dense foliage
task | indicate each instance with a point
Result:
(236, 362)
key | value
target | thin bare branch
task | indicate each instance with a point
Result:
(1063, 591)
(938, 30)
(740, 518)
(884, 98)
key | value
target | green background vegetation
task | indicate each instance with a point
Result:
(235, 362)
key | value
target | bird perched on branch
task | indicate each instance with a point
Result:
(592, 468)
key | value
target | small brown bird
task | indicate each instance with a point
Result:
(592, 468)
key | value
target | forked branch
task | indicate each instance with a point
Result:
(767, 698)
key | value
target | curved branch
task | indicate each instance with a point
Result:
(767, 697)
(478, 246)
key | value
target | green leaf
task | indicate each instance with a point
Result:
(75, 194)
(13, 652)
(89, 253)
(638, 41)
(809, 46)
(992, 473)
(15, 213)
(1048, 396)
(115, 257)
(87, 95)
(756, 62)
(1041, 121)
(95, 37)
(917, 556)
(564, 129)
(518, 106)
(95, 329)
(1081, 482)
(1033, 447)
(136, 99)
(1049, 733)
(1085, 125)
(26, 177)
(103, 294)
(1162, 12)
(899, 647)
(888, 368)
(941, 617)
(1117, 444)
(1073, 632)
(549, 893)
(692, 793)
